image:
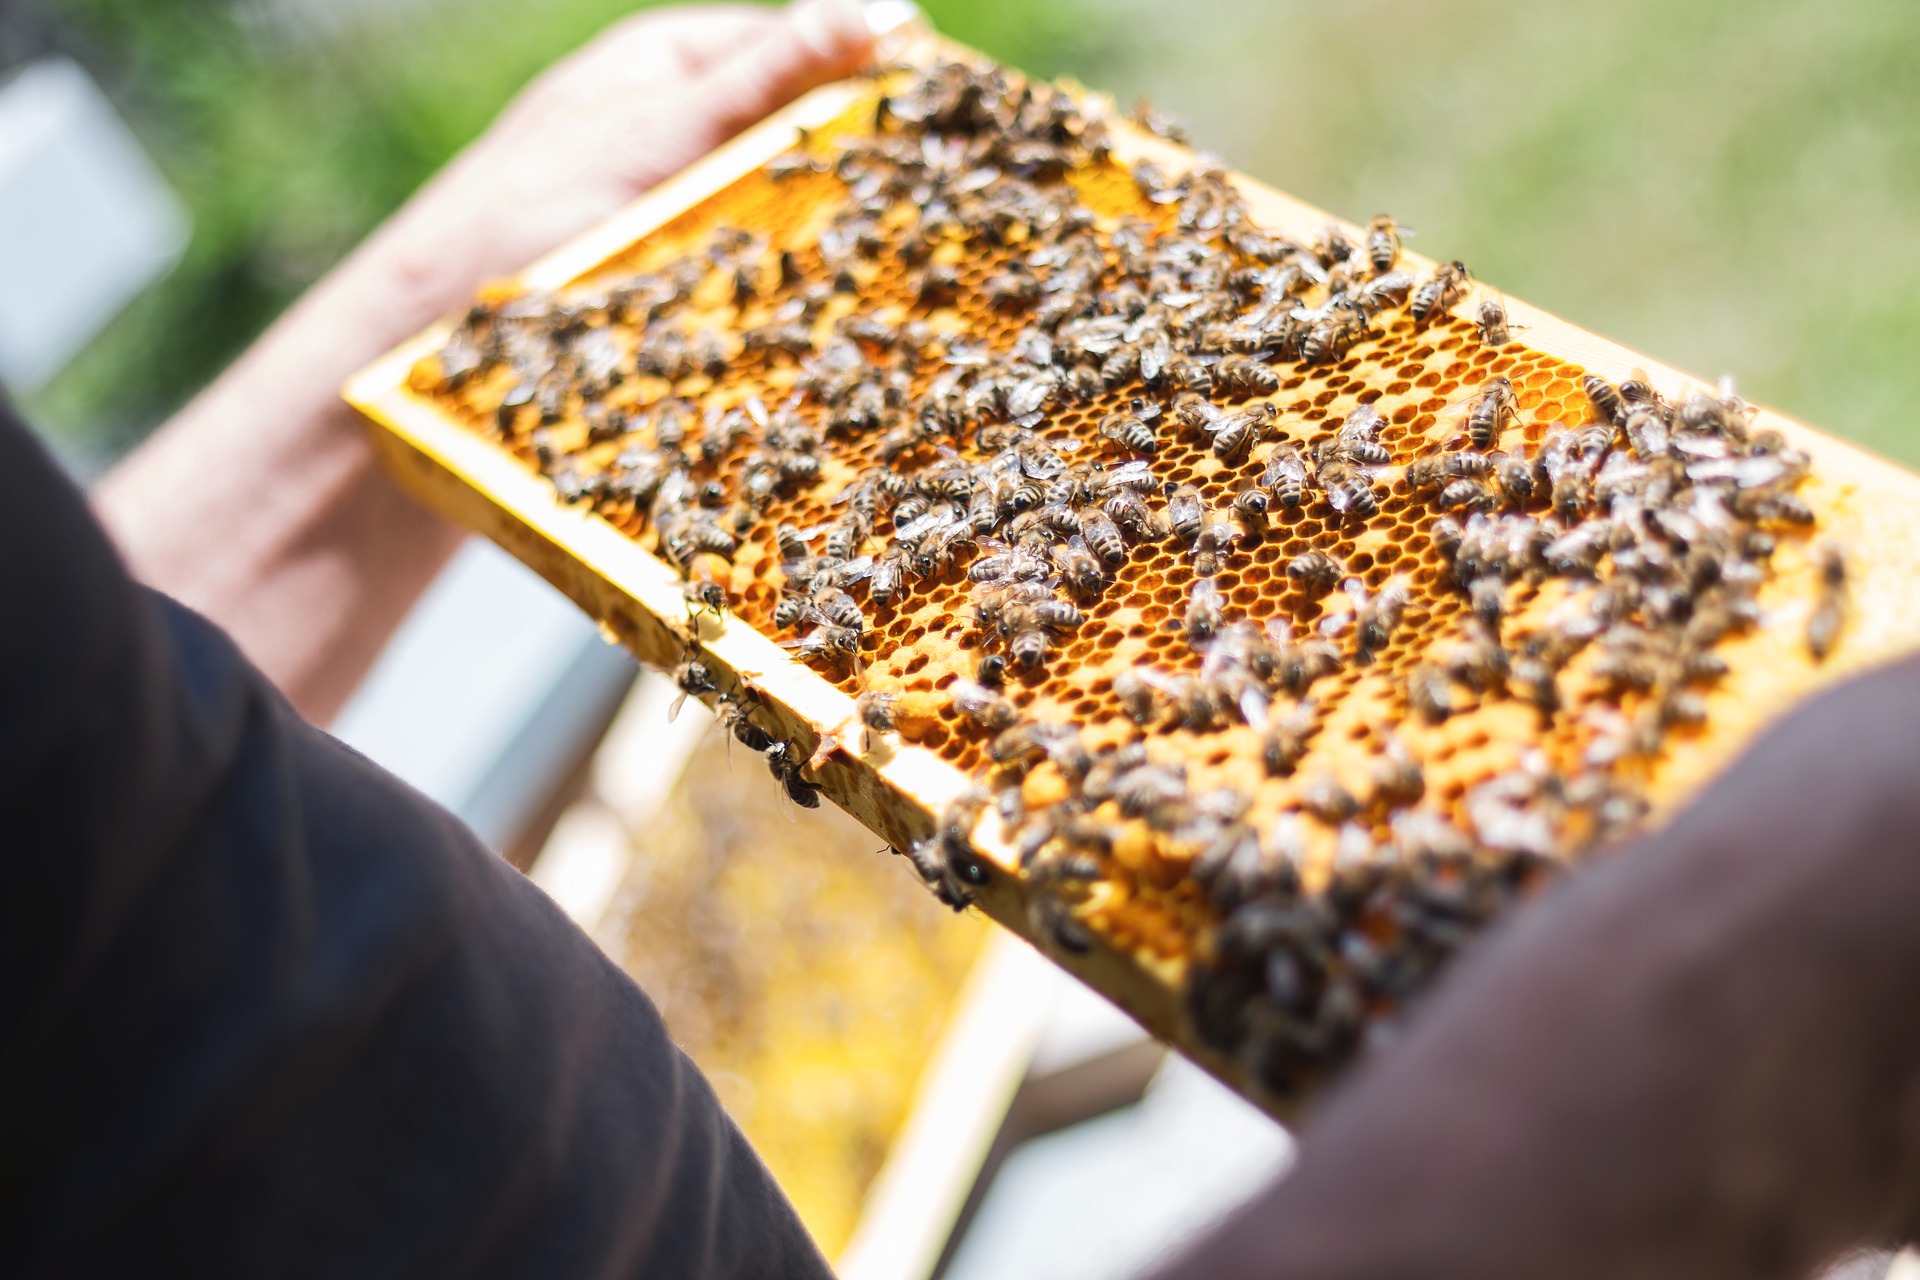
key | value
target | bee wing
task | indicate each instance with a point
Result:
(858, 569)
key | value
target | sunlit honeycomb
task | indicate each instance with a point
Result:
(1418, 375)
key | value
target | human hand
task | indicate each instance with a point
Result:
(649, 96)
(1697, 1057)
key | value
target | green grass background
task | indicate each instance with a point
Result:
(1730, 185)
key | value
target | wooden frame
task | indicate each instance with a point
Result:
(1866, 503)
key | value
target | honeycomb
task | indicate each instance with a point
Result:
(1277, 975)
(810, 988)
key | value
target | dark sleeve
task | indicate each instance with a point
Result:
(265, 1011)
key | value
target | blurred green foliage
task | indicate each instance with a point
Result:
(1728, 184)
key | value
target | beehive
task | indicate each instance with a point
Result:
(1144, 929)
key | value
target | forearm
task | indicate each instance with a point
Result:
(1698, 1058)
(262, 506)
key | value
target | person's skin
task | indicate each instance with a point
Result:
(261, 504)
(1698, 1058)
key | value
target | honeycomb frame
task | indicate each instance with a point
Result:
(897, 790)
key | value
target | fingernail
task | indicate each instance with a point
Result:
(830, 28)
(884, 17)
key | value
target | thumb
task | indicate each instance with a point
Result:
(813, 42)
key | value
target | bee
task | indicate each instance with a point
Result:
(1325, 799)
(1079, 567)
(1211, 547)
(838, 608)
(1055, 921)
(1430, 692)
(833, 643)
(1206, 612)
(1356, 441)
(736, 717)
(1102, 536)
(1185, 513)
(705, 589)
(1383, 244)
(691, 676)
(1284, 475)
(888, 576)
(1605, 398)
(784, 762)
(1285, 740)
(1013, 289)
(1397, 777)
(1465, 495)
(1234, 433)
(1429, 471)
(1130, 431)
(791, 610)
(1492, 407)
(1189, 376)
(1138, 697)
(1446, 286)
(1490, 318)
(1378, 616)
(1315, 571)
(981, 706)
(1532, 681)
(1330, 337)
(1513, 477)
(1488, 598)
(1829, 615)
(1250, 507)
(1129, 512)
(1349, 489)
(1242, 376)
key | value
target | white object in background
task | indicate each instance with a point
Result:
(86, 221)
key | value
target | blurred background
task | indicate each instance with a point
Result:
(1728, 186)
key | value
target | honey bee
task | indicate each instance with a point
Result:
(1250, 507)
(1286, 738)
(1130, 431)
(1383, 244)
(835, 606)
(1605, 398)
(1378, 616)
(1316, 572)
(1331, 337)
(1491, 320)
(1206, 611)
(1079, 567)
(982, 706)
(1211, 548)
(1185, 513)
(785, 762)
(1465, 495)
(1234, 433)
(1349, 489)
(691, 677)
(1285, 475)
(1324, 798)
(1829, 615)
(1446, 286)
(1430, 692)
(1055, 921)
(1376, 295)
(1514, 479)
(736, 717)
(1397, 777)
(1129, 511)
(705, 589)
(1356, 441)
(1241, 376)
(1138, 697)
(1492, 407)
(1102, 536)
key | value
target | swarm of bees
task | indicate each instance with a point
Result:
(1172, 488)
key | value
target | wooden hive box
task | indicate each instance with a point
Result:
(440, 447)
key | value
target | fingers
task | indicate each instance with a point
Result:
(813, 41)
